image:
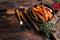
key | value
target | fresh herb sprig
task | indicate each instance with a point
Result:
(47, 28)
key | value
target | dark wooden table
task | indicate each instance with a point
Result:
(10, 29)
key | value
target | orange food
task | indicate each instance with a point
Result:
(40, 17)
(35, 15)
(39, 8)
(49, 14)
(43, 12)
(36, 10)
(46, 17)
(48, 9)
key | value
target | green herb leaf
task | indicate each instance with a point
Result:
(47, 28)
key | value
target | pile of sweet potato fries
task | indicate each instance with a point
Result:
(41, 12)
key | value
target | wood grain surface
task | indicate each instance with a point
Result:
(10, 29)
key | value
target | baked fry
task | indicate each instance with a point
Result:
(43, 7)
(48, 9)
(50, 14)
(34, 15)
(39, 8)
(45, 12)
(40, 17)
(42, 12)
(46, 17)
(36, 10)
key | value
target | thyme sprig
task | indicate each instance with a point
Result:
(47, 28)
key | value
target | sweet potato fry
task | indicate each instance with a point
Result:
(50, 14)
(40, 17)
(44, 10)
(48, 9)
(36, 10)
(39, 8)
(43, 13)
(34, 15)
(46, 17)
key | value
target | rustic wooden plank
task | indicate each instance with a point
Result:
(57, 33)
